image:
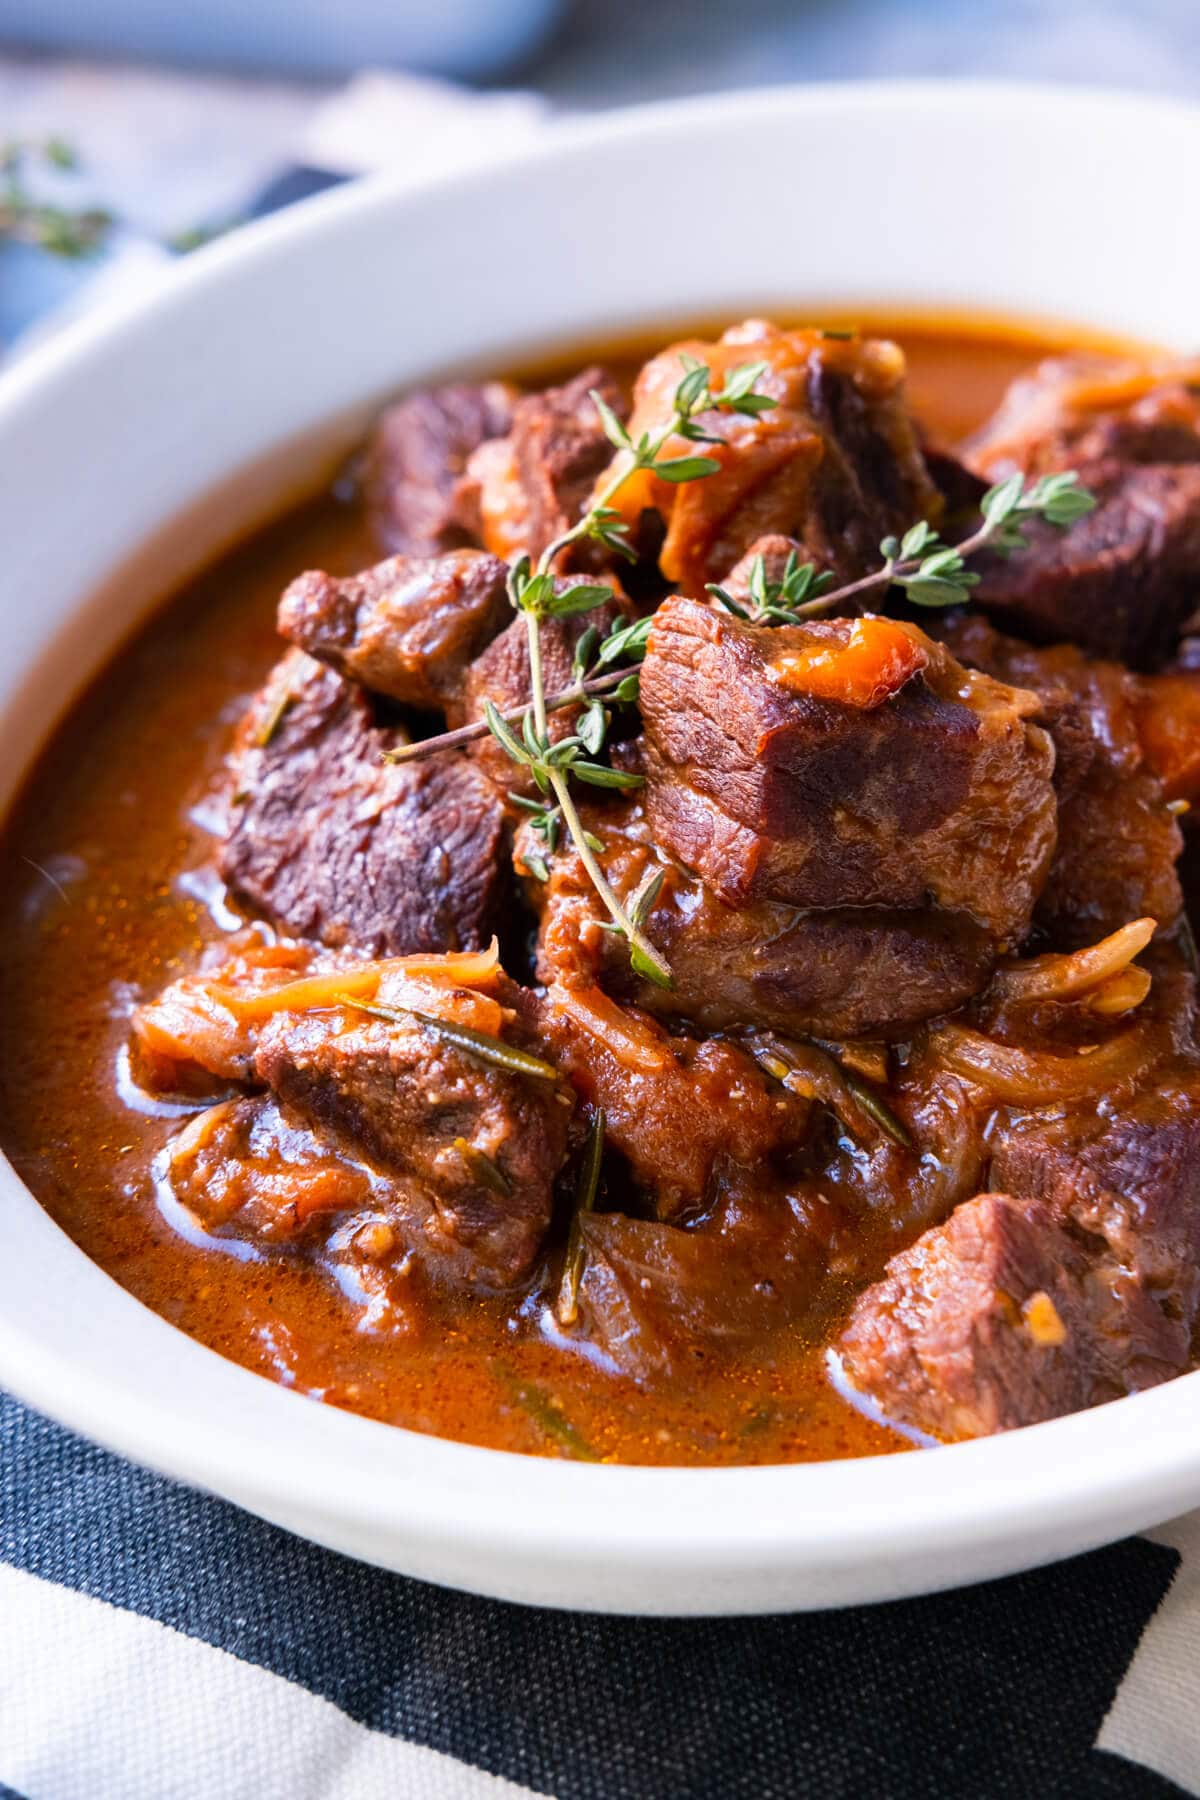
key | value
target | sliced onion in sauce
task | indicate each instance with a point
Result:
(1036, 1077)
(1063, 977)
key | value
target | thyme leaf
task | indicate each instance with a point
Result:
(482, 1167)
(71, 233)
(532, 592)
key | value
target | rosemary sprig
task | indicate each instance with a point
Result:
(281, 706)
(826, 1079)
(480, 1044)
(585, 1201)
(930, 572)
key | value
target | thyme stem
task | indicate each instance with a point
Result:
(562, 793)
(892, 570)
(609, 491)
(470, 734)
(658, 970)
(693, 393)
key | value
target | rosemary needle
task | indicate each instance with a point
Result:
(585, 1201)
(546, 1413)
(488, 1049)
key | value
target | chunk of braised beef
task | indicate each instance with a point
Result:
(851, 763)
(1123, 581)
(1080, 410)
(843, 973)
(531, 486)
(1118, 844)
(416, 459)
(332, 843)
(680, 1110)
(407, 628)
(990, 1322)
(1076, 1281)
(473, 1143)
(659, 1299)
(241, 1167)
(834, 464)
(1126, 1178)
(485, 1142)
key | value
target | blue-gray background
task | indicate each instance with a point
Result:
(617, 50)
(184, 115)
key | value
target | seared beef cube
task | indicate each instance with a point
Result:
(243, 1170)
(1084, 1287)
(1126, 1178)
(486, 1142)
(853, 763)
(663, 1300)
(836, 974)
(1117, 842)
(1076, 411)
(1122, 581)
(407, 628)
(853, 972)
(534, 484)
(501, 675)
(332, 843)
(834, 464)
(679, 1109)
(996, 1320)
(416, 459)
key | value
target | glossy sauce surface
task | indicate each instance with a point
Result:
(108, 893)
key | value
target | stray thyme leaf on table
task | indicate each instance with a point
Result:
(27, 217)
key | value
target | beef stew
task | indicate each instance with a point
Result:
(326, 1040)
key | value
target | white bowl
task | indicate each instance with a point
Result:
(1013, 199)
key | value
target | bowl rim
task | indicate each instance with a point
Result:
(263, 1446)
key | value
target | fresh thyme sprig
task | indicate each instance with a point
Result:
(535, 594)
(693, 396)
(27, 219)
(930, 572)
(776, 602)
